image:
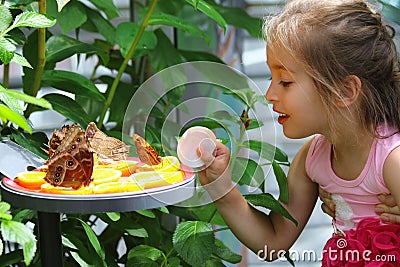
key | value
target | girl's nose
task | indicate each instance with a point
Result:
(271, 94)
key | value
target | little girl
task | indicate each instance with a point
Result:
(335, 76)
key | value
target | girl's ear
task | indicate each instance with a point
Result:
(350, 92)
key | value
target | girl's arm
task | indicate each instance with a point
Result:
(254, 228)
(391, 170)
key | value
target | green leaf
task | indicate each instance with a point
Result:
(7, 50)
(239, 18)
(139, 232)
(224, 253)
(173, 21)
(107, 6)
(67, 243)
(8, 114)
(223, 115)
(266, 200)
(33, 143)
(4, 207)
(209, 10)
(4, 216)
(60, 47)
(17, 232)
(114, 216)
(141, 262)
(12, 95)
(24, 215)
(165, 54)
(200, 56)
(72, 82)
(71, 16)
(5, 18)
(146, 251)
(11, 258)
(125, 35)
(61, 4)
(1, 247)
(79, 260)
(10, 100)
(146, 213)
(32, 19)
(17, 58)
(194, 241)
(266, 150)
(93, 240)
(68, 108)
(282, 182)
(103, 26)
(250, 172)
(163, 210)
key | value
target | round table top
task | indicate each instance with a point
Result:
(150, 198)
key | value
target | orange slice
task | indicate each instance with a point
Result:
(168, 164)
(127, 167)
(31, 179)
(105, 175)
(156, 179)
(48, 188)
(116, 187)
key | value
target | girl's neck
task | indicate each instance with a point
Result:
(350, 151)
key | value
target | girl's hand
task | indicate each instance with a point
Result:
(327, 206)
(388, 211)
(215, 177)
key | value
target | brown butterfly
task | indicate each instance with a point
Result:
(70, 162)
(147, 154)
(108, 149)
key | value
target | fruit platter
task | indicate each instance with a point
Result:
(90, 168)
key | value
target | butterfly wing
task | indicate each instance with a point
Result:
(65, 170)
(147, 154)
(107, 148)
(71, 165)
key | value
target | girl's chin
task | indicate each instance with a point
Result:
(294, 134)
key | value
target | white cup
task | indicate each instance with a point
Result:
(190, 141)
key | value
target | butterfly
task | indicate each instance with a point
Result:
(70, 162)
(147, 154)
(108, 149)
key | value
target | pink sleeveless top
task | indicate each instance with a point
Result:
(354, 199)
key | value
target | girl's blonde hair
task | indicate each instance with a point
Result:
(335, 39)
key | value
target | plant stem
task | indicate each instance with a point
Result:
(6, 75)
(125, 63)
(41, 59)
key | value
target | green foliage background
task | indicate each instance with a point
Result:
(37, 36)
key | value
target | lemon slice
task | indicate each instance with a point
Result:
(156, 178)
(48, 188)
(116, 187)
(105, 175)
(31, 179)
(127, 167)
(168, 164)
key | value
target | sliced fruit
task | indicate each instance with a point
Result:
(168, 164)
(116, 187)
(48, 188)
(105, 175)
(127, 167)
(156, 178)
(31, 179)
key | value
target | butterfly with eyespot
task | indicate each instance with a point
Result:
(107, 148)
(70, 162)
(147, 154)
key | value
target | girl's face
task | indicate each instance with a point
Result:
(294, 97)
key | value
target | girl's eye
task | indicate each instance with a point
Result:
(285, 84)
